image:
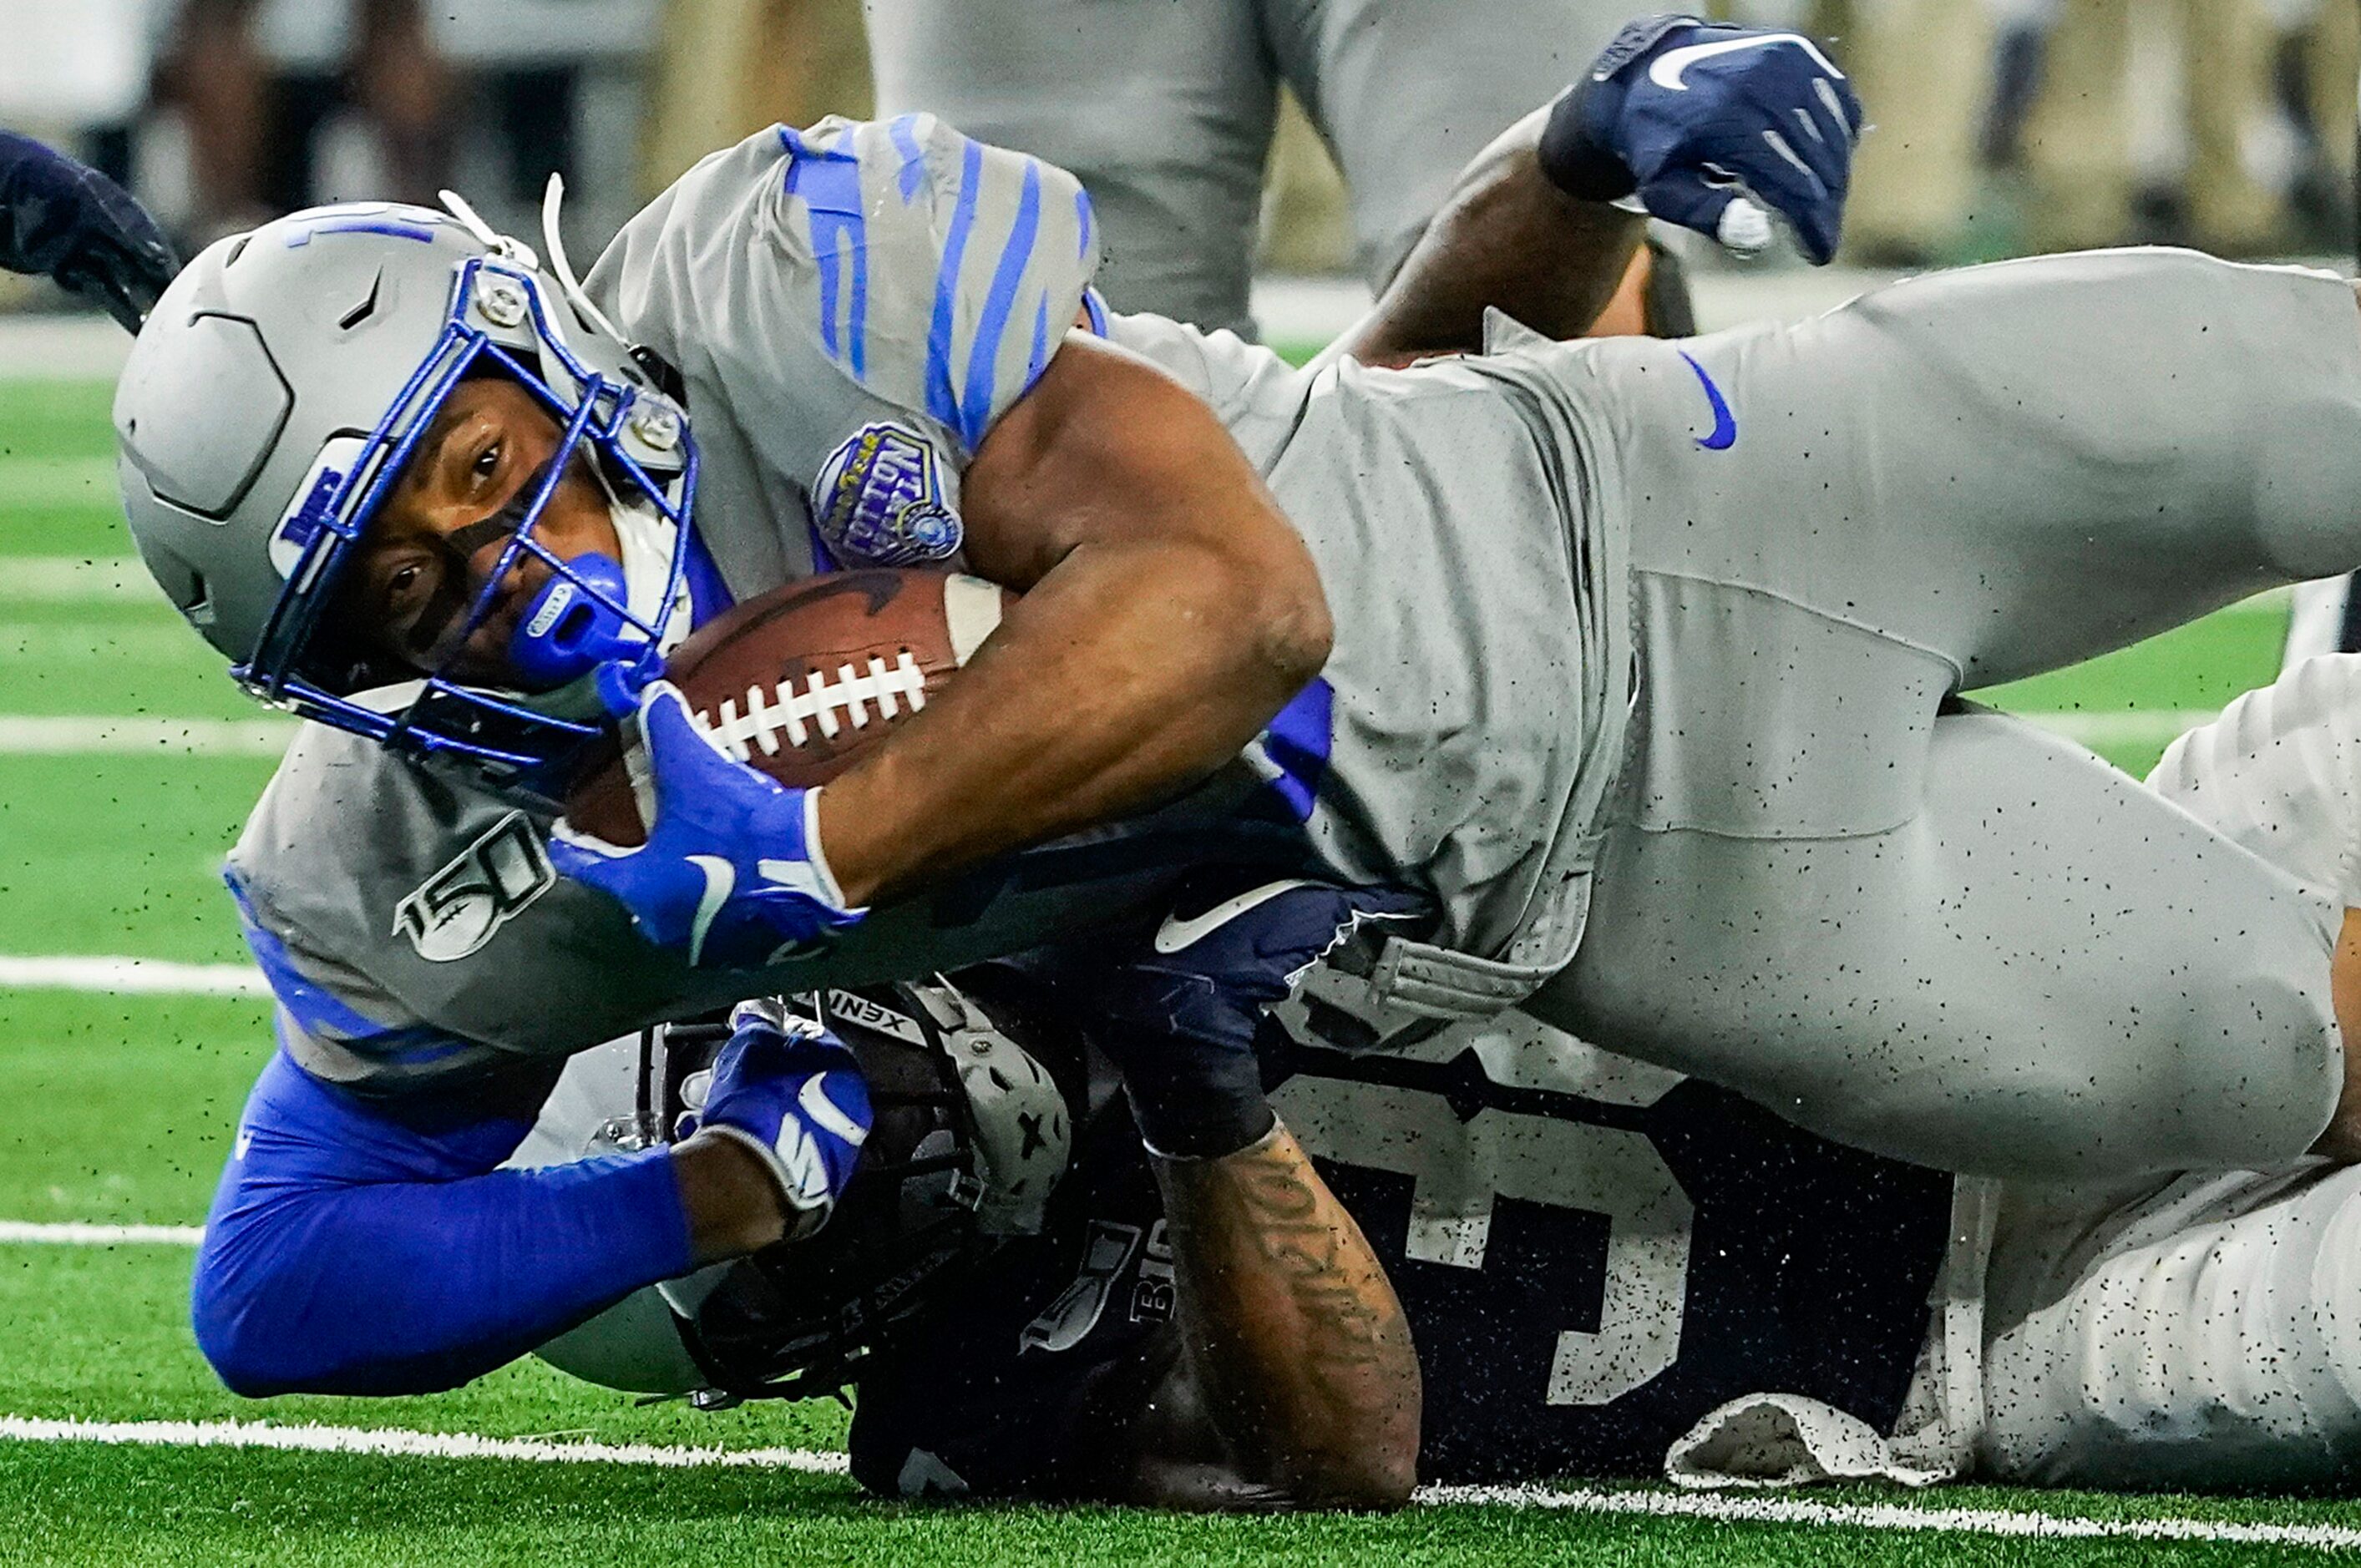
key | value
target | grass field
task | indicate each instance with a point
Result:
(126, 765)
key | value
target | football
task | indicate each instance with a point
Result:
(803, 680)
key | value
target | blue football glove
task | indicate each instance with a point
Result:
(790, 1090)
(1180, 1018)
(66, 219)
(1701, 122)
(731, 875)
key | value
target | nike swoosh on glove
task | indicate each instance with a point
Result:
(1701, 123)
(1181, 1017)
(731, 875)
(62, 217)
(791, 1091)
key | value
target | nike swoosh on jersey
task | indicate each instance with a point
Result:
(1725, 425)
(720, 881)
(1176, 934)
(1665, 69)
(245, 1142)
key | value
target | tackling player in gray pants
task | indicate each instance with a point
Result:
(1165, 111)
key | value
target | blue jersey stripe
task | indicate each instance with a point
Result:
(984, 355)
(1040, 356)
(829, 184)
(942, 397)
(709, 593)
(912, 175)
(312, 1008)
(1084, 220)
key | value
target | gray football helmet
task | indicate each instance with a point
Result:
(272, 399)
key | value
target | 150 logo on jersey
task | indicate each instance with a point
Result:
(878, 501)
(459, 908)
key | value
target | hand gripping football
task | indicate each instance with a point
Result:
(803, 680)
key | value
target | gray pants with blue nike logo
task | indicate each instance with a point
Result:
(1927, 930)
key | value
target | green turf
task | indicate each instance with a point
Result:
(126, 1103)
(120, 1107)
(128, 655)
(121, 854)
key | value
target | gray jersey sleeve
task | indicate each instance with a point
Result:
(419, 941)
(867, 298)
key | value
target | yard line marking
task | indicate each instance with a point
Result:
(75, 579)
(2128, 727)
(1720, 1507)
(60, 482)
(414, 1444)
(71, 735)
(1757, 1510)
(69, 1233)
(129, 977)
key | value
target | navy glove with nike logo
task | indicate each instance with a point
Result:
(791, 1091)
(731, 875)
(1698, 122)
(1179, 1019)
(62, 217)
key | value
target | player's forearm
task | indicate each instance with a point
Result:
(1168, 613)
(1299, 1351)
(1506, 238)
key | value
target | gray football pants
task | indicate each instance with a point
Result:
(1164, 110)
(1946, 935)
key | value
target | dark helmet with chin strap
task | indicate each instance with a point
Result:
(973, 1134)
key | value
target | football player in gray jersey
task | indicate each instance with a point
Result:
(1653, 641)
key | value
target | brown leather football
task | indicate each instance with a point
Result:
(804, 679)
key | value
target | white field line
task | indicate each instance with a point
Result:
(412, 1444)
(79, 736)
(60, 482)
(2106, 729)
(1756, 1508)
(69, 1232)
(1746, 1509)
(73, 579)
(129, 977)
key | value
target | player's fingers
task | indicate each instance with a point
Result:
(1713, 204)
(671, 734)
(1842, 104)
(579, 857)
(1689, 196)
(1827, 154)
(1778, 176)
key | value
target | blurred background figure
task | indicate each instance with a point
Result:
(1924, 68)
(2079, 138)
(257, 81)
(1168, 111)
(722, 69)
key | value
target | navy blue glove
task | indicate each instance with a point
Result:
(790, 1090)
(1180, 1018)
(731, 875)
(1700, 122)
(64, 218)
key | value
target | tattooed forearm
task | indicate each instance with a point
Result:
(1298, 1345)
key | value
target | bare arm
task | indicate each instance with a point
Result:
(1295, 1385)
(1170, 611)
(1506, 237)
